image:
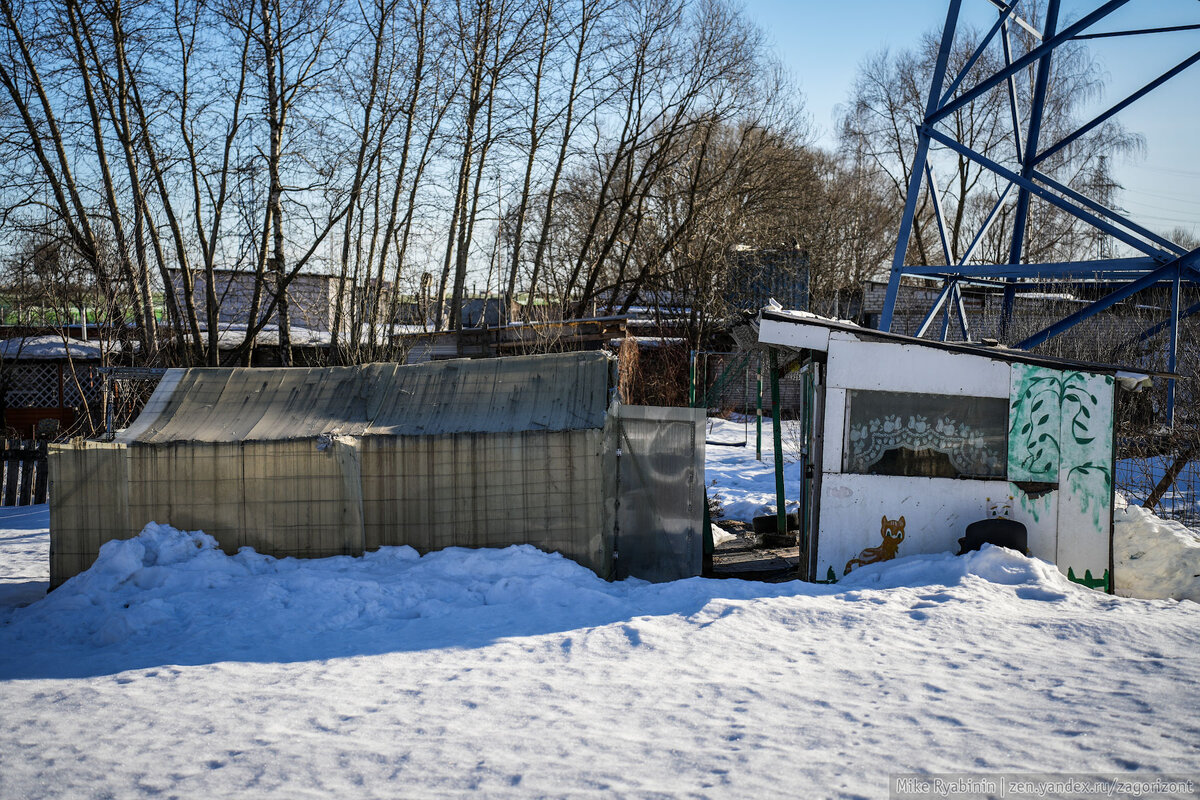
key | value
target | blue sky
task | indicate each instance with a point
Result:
(823, 41)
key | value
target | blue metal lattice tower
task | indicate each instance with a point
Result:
(1159, 262)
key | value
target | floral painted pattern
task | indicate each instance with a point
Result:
(1055, 414)
(966, 447)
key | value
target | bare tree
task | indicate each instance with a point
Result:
(887, 104)
(575, 150)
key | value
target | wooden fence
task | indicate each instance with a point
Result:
(24, 472)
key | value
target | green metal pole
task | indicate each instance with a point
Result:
(746, 403)
(781, 509)
(758, 415)
(805, 462)
(692, 381)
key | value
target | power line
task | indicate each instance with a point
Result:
(1177, 220)
(1172, 210)
(1163, 196)
(1167, 170)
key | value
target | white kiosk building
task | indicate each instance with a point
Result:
(908, 441)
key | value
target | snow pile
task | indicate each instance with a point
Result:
(1036, 579)
(720, 535)
(1154, 557)
(168, 586)
(173, 669)
(775, 308)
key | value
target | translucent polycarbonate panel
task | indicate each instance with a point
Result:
(87, 504)
(660, 495)
(555, 392)
(546, 489)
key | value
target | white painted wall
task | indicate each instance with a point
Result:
(896, 367)
(936, 513)
(936, 510)
(790, 334)
(1040, 517)
(835, 427)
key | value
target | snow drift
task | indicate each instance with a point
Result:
(172, 588)
(1154, 557)
(171, 668)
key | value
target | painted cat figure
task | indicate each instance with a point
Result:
(892, 531)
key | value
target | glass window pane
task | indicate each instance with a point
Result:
(925, 435)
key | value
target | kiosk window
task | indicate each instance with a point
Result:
(925, 435)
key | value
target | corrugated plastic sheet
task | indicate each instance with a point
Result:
(323, 462)
(554, 392)
(335, 461)
(88, 503)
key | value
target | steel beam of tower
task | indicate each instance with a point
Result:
(1148, 259)
(1027, 163)
(918, 170)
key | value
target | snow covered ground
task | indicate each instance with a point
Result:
(746, 486)
(24, 556)
(171, 669)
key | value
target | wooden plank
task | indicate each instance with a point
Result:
(12, 468)
(42, 475)
(28, 464)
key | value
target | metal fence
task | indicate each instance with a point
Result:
(126, 390)
(730, 382)
(1138, 475)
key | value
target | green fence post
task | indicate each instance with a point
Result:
(758, 414)
(807, 467)
(781, 509)
(692, 380)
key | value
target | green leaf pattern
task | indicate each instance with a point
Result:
(1059, 433)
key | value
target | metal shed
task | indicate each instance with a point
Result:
(315, 462)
